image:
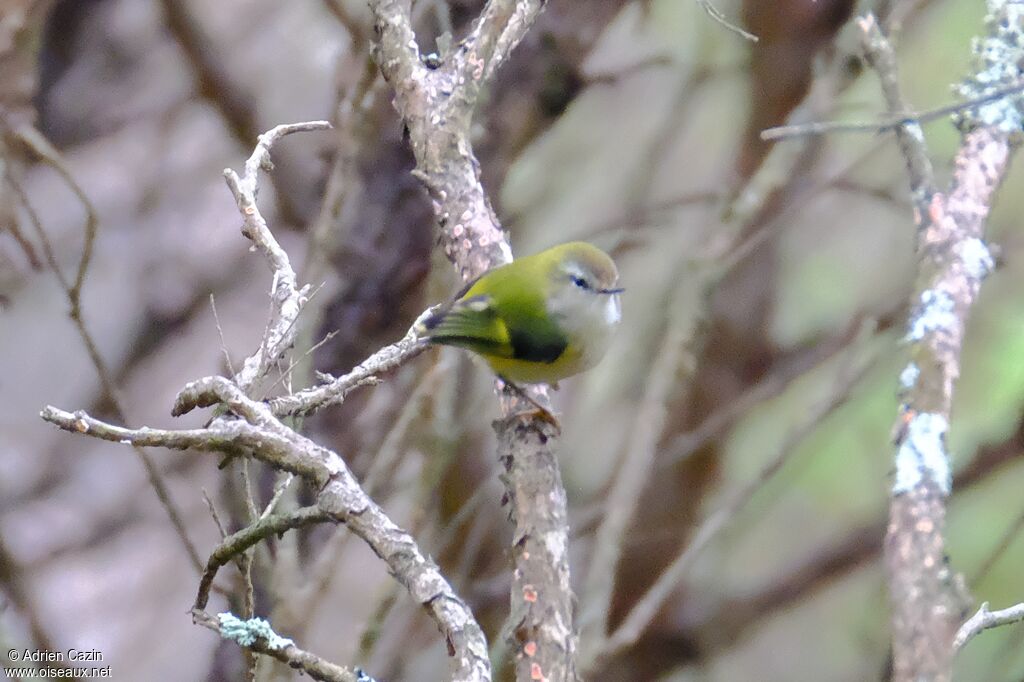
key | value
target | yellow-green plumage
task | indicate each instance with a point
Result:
(539, 319)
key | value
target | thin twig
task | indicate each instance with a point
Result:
(368, 372)
(986, 620)
(717, 15)
(24, 242)
(285, 376)
(237, 543)
(279, 490)
(48, 154)
(286, 373)
(892, 123)
(879, 53)
(213, 514)
(220, 333)
(245, 560)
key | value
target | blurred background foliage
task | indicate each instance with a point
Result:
(630, 123)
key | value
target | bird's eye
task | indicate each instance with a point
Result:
(580, 282)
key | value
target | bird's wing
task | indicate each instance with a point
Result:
(472, 323)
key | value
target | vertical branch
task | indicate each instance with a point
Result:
(541, 613)
(953, 261)
(881, 56)
(436, 103)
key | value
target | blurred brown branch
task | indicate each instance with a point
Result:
(648, 606)
(18, 595)
(735, 616)
(36, 143)
(626, 492)
(287, 298)
(216, 84)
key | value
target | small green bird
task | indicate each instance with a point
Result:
(538, 319)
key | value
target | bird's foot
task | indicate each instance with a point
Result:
(540, 412)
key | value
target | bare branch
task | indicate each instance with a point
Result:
(437, 110)
(279, 490)
(279, 446)
(826, 127)
(540, 620)
(286, 297)
(48, 154)
(341, 498)
(253, 429)
(881, 56)
(501, 26)
(366, 373)
(237, 543)
(265, 641)
(717, 15)
(986, 620)
(925, 593)
(436, 105)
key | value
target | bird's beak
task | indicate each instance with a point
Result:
(618, 290)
